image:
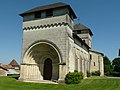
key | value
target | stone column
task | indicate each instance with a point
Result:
(85, 69)
(21, 72)
(62, 72)
(101, 66)
(55, 72)
(78, 65)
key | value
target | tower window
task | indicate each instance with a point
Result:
(37, 14)
(90, 57)
(49, 13)
(94, 63)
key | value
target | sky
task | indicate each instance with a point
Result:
(101, 16)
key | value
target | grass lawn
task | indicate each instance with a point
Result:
(8, 83)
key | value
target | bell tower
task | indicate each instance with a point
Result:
(47, 34)
(84, 33)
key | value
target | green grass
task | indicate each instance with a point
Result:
(93, 83)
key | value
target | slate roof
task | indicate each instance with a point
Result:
(82, 27)
(13, 63)
(50, 6)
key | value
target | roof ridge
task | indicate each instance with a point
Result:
(49, 6)
(44, 6)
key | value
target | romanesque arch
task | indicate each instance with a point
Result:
(34, 61)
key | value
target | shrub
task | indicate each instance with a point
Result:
(96, 73)
(81, 75)
(73, 77)
(88, 74)
(75, 70)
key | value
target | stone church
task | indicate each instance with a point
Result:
(53, 45)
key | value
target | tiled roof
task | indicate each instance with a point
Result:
(50, 6)
(3, 68)
(14, 63)
(7, 66)
(82, 27)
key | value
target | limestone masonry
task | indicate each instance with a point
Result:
(53, 45)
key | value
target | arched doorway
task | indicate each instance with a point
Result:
(38, 58)
(47, 69)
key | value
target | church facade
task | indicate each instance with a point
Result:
(53, 45)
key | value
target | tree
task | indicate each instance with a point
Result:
(107, 66)
(116, 65)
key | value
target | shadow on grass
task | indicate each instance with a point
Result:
(15, 76)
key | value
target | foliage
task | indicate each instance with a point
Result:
(107, 66)
(116, 67)
(88, 74)
(116, 74)
(96, 73)
(106, 60)
(116, 64)
(73, 78)
(7, 83)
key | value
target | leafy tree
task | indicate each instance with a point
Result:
(116, 64)
(107, 66)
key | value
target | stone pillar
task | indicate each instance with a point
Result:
(86, 68)
(71, 55)
(101, 66)
(36, 72)
(78, 65)
(21, 72)
(39, 69)
(62, 72)
(55, 72)
(83, 67)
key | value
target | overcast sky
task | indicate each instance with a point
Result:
(101, 16)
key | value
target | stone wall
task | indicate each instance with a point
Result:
(81, 60)
(96, 62)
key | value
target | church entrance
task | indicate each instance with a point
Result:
(42, 60)
(47, 69)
